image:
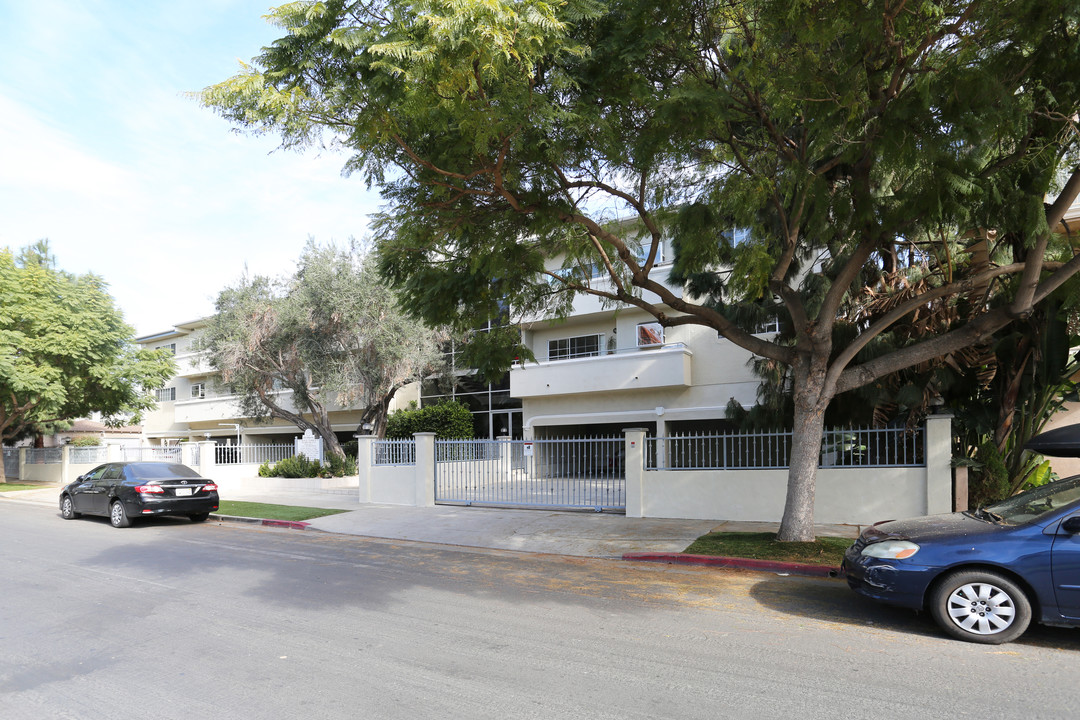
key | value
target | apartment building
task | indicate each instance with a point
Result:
(195, 405)
(601, 370)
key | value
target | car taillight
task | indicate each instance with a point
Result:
(210, 487)
(150, 489)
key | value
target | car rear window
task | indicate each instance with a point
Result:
(152, 471)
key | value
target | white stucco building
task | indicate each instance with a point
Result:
(194, 405)
(602, 369)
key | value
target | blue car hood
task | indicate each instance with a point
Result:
(932, 527)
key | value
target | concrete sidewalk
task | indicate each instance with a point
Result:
(580, 534)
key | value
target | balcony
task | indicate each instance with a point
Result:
(192, 365)
(661, 367)
(220, 407)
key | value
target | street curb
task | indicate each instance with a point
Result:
(290, 524)
(787, 568)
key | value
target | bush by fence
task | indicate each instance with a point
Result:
(299, 466)
(448, 420)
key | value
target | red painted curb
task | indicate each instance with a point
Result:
(291, 524)
(744, 563)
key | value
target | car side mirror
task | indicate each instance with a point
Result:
(1071, 525)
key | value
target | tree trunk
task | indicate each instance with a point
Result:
(377, 414)
(797, 524)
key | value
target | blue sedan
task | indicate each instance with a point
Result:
(982, 575)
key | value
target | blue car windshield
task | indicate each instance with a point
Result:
(1033, 504)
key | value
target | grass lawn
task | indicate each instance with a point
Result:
(827, 551)
(273, 512)
(11, 487)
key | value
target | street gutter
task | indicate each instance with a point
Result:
(782, 568)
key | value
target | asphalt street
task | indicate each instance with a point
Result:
(175, 620)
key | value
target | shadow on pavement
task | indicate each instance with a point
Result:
(833, 601)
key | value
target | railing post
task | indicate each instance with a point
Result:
(634, 439)
(661, 446)
(65, 463)
(207, 458)
(22, 463)
(425, 469)
(187, 454)
(938, 464)
(364, 447)
(505, 459)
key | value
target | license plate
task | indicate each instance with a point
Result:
(183, 491)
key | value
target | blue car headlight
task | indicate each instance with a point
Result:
(891, 549)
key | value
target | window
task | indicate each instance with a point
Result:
(772, 325)
(650, 335)
(171, 347)
(198, 390)
(575, 347)
(165, 394)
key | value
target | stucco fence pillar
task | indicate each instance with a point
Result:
(425, 469)
(402, 484)
(363, 465)
(635, 471)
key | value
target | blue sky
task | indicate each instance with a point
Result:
(102, 153)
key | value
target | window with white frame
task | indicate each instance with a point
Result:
(575, 347)
(171, 347)
(198, 390)
(650, 335)
(772, 325)
(165, 394)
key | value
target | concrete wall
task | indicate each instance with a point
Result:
(852, 496)
(848, 496)
(63, 472)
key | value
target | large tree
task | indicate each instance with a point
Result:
(849, 136)
(65, 351)
(331, 334)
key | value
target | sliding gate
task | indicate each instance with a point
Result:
(586, 473)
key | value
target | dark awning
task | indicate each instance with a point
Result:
(1061, 442)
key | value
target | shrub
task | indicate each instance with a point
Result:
(988, 481)
(296, 466)
(85, 441)
(299, 466)
(448, 420)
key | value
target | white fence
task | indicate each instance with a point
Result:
(911, 475)
(252, 454)
(393, 452)
(92, 455)
(840, 448)
(11, 463)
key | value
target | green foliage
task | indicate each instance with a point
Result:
(332, 333)
(65, 351)
(988, 481)
(854, 140)
(448, 420)
(85, 441)
(299, 466)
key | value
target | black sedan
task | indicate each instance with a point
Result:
(982, 575)
(127, 490)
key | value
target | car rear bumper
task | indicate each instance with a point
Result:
(171, 506)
